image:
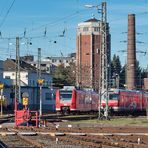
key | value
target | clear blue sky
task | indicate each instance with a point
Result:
(57, 15)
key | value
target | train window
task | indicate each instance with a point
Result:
(113, 96)
(66, 96)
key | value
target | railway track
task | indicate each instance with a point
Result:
(60, 117)
(44, 140)
(2, 145)
(73, 137)
(6, 119)
(15, 141)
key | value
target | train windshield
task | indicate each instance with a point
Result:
(113, 96)
(66, 95)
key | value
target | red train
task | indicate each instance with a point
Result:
(84, 101)
(127, 101)
(76, 101)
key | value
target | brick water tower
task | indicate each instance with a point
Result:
(89, 42)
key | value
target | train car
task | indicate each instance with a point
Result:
(119, 101)
(130, 101)
(113, 99)
(127, 101)
(70, 101)
(145, 101)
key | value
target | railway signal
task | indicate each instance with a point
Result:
(40, 83)
(25, 96)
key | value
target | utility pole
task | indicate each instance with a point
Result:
(17, 74)
(39, 64)
(104, 63)
(40, 81)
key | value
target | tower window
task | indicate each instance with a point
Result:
(98, 50)
(97, 29)
(85, 29)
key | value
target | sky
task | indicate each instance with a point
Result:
(35, 17)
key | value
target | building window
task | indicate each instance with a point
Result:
(97, 29)
(49, 96)
(7, 77)
(85, 29)
(44, 65)
(53, 60)
(33, 83)
(98, 50)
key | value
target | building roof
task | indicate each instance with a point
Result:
(58, 58)
(9, 65)
(92, 20)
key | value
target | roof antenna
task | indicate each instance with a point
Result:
(45, 32)
(92, 16)
(24, 32)
(0, 34)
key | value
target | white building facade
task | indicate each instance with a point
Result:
(28, 82)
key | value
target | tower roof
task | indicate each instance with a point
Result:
(92, 20)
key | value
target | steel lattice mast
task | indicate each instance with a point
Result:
(17, 73)
(104, 61)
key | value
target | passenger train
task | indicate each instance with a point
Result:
(128, 101)
(119, 101)
(68, 101)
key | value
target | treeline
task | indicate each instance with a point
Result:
(67, 75)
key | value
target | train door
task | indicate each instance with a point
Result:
(139, 101)
(126, 101)
(123, 101)
(88, 100)
(145, 102)
(58, 101)
(80, 100)
(94, 102)
(133, 102)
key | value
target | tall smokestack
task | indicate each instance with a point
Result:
(131, 53)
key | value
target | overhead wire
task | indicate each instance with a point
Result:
(8, 11)
(3, 8)
(52, 23)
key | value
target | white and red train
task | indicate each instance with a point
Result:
(128, 101)
(68, 101)
(76, 101)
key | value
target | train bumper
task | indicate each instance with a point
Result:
(58, 109)
(116, 109)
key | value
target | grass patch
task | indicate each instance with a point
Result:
(114, 122)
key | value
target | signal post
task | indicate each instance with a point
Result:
(40, 82)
